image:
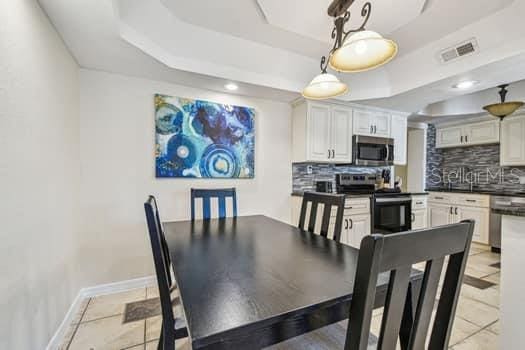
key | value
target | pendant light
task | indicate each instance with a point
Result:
(324, 85)
(503, 109)
(355, 50)
(362, 51)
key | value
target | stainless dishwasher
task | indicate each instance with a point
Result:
(495, 219)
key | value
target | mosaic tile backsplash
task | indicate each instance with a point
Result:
(302, 181)
(462, 165)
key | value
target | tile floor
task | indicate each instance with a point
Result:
(100, 322)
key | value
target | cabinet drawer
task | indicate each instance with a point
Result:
(473, 200)
(355, 206)
(419, 202)
(438, 197)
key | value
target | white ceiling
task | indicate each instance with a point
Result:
(273, 50)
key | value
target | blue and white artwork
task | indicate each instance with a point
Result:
(203, 139)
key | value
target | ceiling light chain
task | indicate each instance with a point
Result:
(338, 32)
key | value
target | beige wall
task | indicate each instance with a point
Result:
(117, 155)
(39, 177)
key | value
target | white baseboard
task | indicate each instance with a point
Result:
(117, 287)
(90, 292)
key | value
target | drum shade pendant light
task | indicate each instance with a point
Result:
(354, 50)
(503, 109)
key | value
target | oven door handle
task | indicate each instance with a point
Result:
(393, 200)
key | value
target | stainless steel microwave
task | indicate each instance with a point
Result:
(373, 151)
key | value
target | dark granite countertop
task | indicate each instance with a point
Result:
(509, 210)
(477, 191)
(300, 194)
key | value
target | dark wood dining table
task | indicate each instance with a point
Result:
(252, 281)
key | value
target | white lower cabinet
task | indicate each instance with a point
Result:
(452, 208)
(481, 217)
(358, 228)
(419, 212)
(356, 219)
(419, 219)
(438, 214)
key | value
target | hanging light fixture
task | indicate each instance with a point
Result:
(503, 109)
(324, 85)
(354, 50)
(358, 50)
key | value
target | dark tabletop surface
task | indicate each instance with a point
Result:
(478, 191)
(254, 270)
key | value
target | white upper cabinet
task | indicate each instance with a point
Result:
(371, 123)
(512, 150)
(449, 137)
(322, 133)
(468, 134)
(341, 139)
(381, 123)
(481, 133)
(399, 134)
(319, 132)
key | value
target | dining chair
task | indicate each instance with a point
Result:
(164, 245)
(328, 201)
(395, 254)
(172, 327)
(207, 194)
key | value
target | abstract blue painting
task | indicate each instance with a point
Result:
(203, 139)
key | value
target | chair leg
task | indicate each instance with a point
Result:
(161, 339)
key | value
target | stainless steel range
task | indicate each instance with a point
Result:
(392, 209)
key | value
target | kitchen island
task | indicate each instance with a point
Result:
(512, 276)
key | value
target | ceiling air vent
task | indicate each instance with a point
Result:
(462, 49)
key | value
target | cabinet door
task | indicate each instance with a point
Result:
(481, 225)
(449, 137)
(438, 215)
(341, 134)
(318, 132)
(363, 122)
(482, 133)
(419, 219)
(399, 134)
(381, 123)
(512, 150)
(359, 227)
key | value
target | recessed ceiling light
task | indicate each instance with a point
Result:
(231, 86)
(467, 84)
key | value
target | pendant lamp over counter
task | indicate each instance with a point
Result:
(503, 109)
(355, 50)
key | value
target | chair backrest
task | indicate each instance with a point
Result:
(207, 194)
(161, 270)
(329, 201)
(164, 245)
(396, 253)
